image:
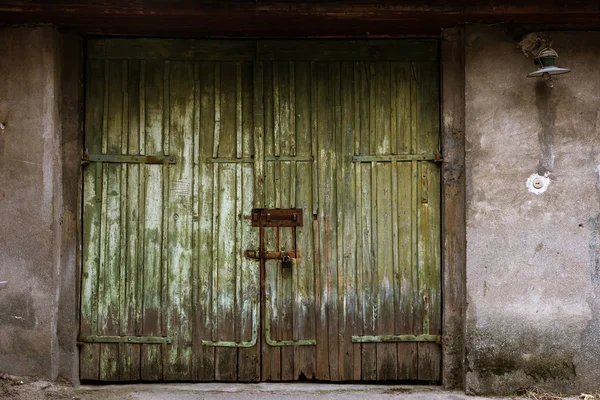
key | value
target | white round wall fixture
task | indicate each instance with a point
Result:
(538, 184)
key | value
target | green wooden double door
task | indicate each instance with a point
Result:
(184, 138)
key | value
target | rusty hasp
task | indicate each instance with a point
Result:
(276, 217)
(271, 255)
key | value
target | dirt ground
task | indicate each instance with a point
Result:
(12, 387)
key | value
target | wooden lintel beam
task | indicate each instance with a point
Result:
(292, 19)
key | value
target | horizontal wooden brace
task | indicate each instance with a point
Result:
(124, 339)
(250, 160)
(128, 159)
(396, 338)
(289, 158)
(435, 157)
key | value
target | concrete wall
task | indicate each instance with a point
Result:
(533, 259)
(37, 223)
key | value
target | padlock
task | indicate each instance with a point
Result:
(286, 261)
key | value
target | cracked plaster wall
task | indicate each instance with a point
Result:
(533, 257)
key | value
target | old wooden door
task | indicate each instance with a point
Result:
(185, 138)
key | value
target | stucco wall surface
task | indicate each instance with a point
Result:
(30, 200)
(533, 259)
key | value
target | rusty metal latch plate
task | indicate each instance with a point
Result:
(276, 217)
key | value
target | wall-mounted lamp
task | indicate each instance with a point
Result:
(547, 62)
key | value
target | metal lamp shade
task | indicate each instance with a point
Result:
(547, 60)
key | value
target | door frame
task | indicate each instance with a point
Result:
(453, 242)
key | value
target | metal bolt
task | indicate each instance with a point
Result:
(538, 183)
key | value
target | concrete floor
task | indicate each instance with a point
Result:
(43, 390)
(272, 391)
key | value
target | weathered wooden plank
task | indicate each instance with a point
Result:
(387, 362)
(109, 299)
(166, 134)
(217, 104)
(248, 358)
(429, 270)
(327, 214)
(425, 117)
(407, 277)
(172, 49)
(355, 170)
(348, 50)
(276, 110)
(268, 107)
(130, 317)
(151, 355)
(382, 109)
(228, 113)
(369, 107)
(286, 296)
(180, 214)
(271, 356)
(247, 120)
(401, 73)
(426, 105)
(133, 113)
(346, 226)
(304, 267)
(195, 202)
(369, 351)
(142, 105)
(225, 369)
(205, 318)
(89, 353)
(238, 110)
(259, 135)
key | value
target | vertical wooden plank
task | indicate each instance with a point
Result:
(247, 116)
(248, 358)
(108, 310)
(369, 247)
(128, 361)
(142, 98)
(314, 136)
(427, 123)
(283, 104)
(286, 294)
(386, 352)
(271, 356)
(346, 227)
(227, 146)
(207, 129)
(320, 96)
(105, 108)
(195, 195)
(303, 269)
(110, 297)
(407, 294)
(342, 336)
(90, 353)
(217, 104)
(327, 208)
(225, 358)
(180, 216)
(259, 135)
(238, 110)
(401, 73)
(276, 110)
(387, 362)
(292, 111)
(166, 107)
(151, 354)
(268, 106)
